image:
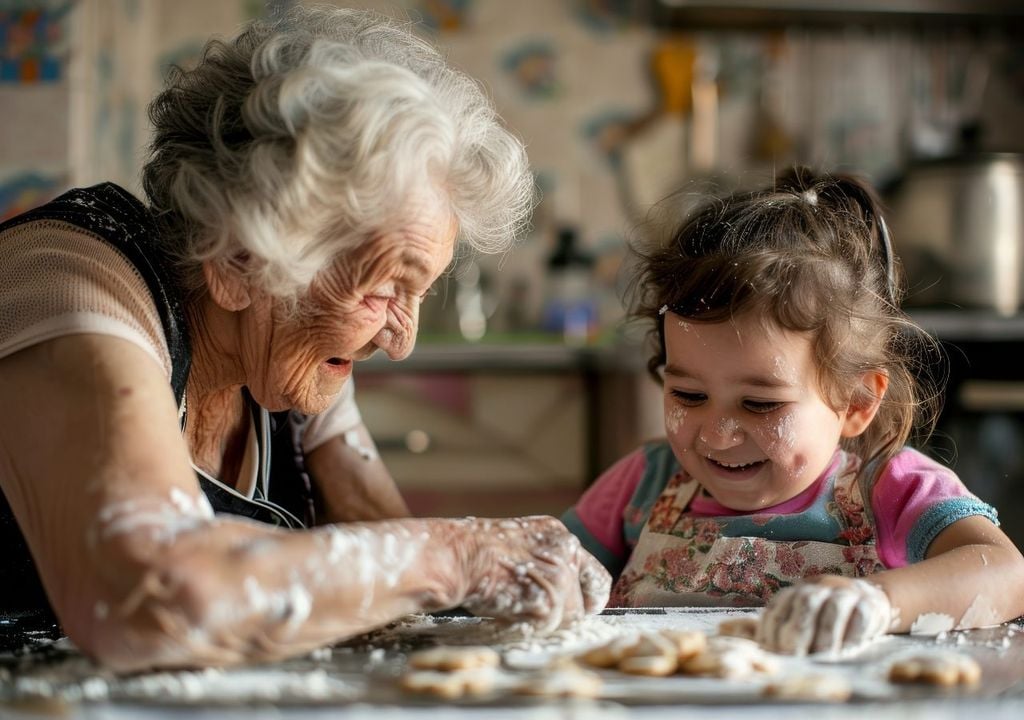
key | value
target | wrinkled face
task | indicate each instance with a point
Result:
(367, 300)
(743, 411)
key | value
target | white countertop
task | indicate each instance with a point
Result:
(359, 679)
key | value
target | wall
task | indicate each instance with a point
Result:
(615, 113)
(34, 97)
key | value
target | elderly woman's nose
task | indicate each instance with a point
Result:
(398, 336)
(396, 345)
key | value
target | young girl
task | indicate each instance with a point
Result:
(789, 394)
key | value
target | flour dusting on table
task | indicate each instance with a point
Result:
(368, 667)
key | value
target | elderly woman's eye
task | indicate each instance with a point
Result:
(377, 303)
(430, 292)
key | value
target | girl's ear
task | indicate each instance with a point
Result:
(865, 403)
(227, 285)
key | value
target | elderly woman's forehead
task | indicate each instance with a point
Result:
(422, 243)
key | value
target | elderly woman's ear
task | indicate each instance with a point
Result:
(227, 283)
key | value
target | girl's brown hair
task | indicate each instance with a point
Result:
(810, 254)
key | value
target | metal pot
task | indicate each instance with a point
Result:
(958, 226)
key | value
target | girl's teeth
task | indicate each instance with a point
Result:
(733, 466)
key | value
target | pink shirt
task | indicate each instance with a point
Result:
(914, 498)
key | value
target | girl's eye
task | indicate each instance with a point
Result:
(691, 399)
(762, 406)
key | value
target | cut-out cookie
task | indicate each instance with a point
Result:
(650, 665)
(730, 657)
(610, 654)
(561, 682)
(460, 683)
(653, 654)
(454, 658)
(814, 688)
(741, 627)
(687, 643)
(936, 669)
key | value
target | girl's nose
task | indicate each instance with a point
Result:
(721, 434)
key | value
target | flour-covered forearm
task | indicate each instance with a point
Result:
(221, 591)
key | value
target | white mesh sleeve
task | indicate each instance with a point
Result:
(57, 279)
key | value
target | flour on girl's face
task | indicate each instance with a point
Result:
(674, 418)
(782, 370)
(780, 435)
(728, 427)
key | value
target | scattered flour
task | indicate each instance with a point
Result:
(979, 614)
(932, 624)
(78, 680)
(348, 672)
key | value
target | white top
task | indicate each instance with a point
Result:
(57, 279)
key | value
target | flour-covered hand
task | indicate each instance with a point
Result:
(826, 614)
(530, 570)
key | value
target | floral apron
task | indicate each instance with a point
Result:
(744, 560)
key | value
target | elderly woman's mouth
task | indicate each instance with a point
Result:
(337, 365)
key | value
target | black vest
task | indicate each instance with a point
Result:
(118, 218)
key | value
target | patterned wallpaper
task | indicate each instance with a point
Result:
(614, 113)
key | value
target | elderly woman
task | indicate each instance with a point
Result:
(176, 376)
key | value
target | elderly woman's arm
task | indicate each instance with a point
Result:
(142, 575)
(352, 481)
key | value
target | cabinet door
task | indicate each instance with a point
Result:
(480, 443)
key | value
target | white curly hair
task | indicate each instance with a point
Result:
(306, 134)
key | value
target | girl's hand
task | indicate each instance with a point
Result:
(530, 570)
(825, 614)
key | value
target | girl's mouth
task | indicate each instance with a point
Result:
(735, 471)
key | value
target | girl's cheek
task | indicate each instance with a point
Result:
(778, 434)
(674, 417)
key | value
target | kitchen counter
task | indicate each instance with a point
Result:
(526, 355)
(533, 353)
(360, 678)
(970, 325)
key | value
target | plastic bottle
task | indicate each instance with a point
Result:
(570, 308)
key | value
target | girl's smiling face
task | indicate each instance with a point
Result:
(743, 410)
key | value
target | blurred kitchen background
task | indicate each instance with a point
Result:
(524, 384)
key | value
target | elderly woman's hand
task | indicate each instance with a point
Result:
(529, 570)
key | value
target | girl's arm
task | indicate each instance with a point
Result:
(972, 576)
(141, 574)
